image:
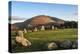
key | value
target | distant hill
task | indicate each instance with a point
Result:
(39, 20)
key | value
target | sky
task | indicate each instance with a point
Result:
(27, 10)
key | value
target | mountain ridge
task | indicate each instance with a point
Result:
(41, 18)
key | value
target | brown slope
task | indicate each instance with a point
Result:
(42, 19)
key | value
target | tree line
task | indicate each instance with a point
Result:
(71, 24)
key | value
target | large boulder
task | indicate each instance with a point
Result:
(23, 41)
(66, 44)
(51, 46)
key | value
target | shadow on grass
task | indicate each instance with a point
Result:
(37, 45)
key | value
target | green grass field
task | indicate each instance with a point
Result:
(40, 38)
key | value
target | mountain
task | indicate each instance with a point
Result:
(39, 20)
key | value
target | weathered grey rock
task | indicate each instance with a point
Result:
(66, 44)
(51, 46)
(75, 44)
(23, 41)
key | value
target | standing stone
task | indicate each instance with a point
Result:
(42, 28)
(35, 29)
(25, 31)
(52, 27)
(22, 40)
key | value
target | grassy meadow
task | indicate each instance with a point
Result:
(40, 38)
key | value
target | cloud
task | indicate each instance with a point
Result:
(17, 18)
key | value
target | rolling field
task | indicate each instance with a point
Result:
(40, 38)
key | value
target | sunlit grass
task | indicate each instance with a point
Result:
(40, 38)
